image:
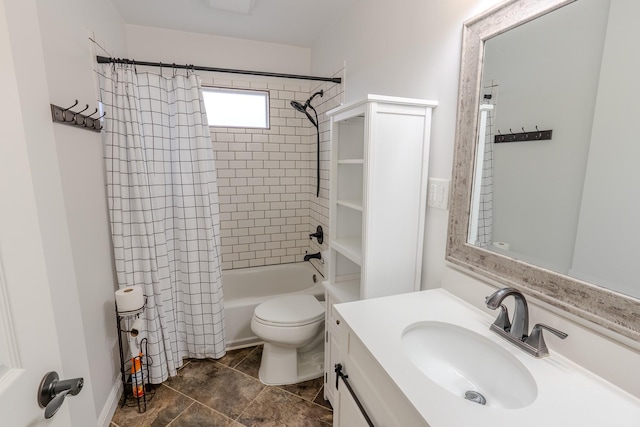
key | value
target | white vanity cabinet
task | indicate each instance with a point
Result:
(378, 200)
(380, 398)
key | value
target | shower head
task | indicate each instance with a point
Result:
(300, 107)
(303, 107)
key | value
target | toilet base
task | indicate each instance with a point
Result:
(282, 365)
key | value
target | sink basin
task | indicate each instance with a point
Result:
(460, 361)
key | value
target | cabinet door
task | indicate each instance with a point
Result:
(334, 355)
(347, 413)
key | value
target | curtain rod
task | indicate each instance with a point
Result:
(106, 60)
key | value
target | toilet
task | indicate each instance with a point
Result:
(292, 328)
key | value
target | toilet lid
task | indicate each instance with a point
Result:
(290, 310)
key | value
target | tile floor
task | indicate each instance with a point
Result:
(227, 392)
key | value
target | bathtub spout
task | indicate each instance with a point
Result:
(318, 255)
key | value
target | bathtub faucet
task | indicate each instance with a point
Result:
(318, 255)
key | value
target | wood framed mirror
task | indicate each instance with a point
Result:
(611, 309)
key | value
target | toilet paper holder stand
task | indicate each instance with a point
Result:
(129, 313)
(141, 400)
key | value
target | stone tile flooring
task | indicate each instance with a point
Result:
(227, 392)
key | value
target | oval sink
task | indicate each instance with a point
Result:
(461, 361)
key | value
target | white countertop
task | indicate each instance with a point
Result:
(568, 395)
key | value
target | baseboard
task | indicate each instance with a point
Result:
(238, 344)
(111, 404)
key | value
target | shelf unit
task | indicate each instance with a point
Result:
(377, 205)
(128, 381)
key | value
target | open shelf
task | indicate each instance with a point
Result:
(350, 247)
(344, 291)
(351, 204)
(351, 162)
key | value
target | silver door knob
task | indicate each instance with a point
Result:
(52, 392)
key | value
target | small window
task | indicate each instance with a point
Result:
(236, 108)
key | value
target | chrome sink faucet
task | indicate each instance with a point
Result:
(520, 324)
(515, 330)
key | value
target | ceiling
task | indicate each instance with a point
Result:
(290, 22)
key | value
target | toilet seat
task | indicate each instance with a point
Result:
(289, 311)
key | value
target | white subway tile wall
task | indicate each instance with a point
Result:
(267, 177)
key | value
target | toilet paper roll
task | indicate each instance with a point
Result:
(136, 327)
(129, 299)
(501, 245)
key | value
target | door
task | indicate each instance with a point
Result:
(28, 338)
(347, 413)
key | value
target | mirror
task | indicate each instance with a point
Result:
(552, 217)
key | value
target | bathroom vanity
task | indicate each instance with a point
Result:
(391, 373)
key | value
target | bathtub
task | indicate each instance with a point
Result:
(245, 288)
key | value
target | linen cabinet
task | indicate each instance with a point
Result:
(377, 205)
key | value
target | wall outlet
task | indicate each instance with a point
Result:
(438, 193)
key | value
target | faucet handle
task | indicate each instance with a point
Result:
(536, 339)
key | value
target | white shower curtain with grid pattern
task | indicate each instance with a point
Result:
(163, 205)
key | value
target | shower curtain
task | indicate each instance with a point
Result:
(163, 207)
(485, 214)
(484, 230)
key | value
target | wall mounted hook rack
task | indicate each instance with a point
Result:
(536, 135)
(73, 118)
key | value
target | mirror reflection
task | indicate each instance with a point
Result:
(570, 203)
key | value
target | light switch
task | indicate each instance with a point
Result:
(438, 193)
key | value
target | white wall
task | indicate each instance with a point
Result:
(606, 245)
(407, 48)
(546, 74)
(158, 45)
(267, 178)
(68, 57)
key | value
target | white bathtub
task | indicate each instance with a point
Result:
(245, 288)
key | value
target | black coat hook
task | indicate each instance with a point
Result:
(84, 109)
(64, 118)
(76, 103)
